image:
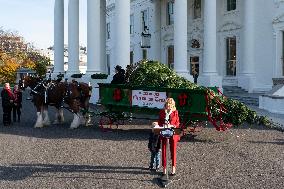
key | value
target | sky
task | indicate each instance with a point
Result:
(34, 19)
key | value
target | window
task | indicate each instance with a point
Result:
(131, 57)
(170, 13)
(231, 5)
(144, 54)
(108, 63)
(171, 56)
(197, 9)
(108, 30)
(231, 56)
(144, 20)
(131, 24)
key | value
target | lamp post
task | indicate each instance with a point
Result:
(145, 38)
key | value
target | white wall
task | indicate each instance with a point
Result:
(228, 24)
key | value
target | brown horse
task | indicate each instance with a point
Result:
(57, 94)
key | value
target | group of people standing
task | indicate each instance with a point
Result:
(11, 101)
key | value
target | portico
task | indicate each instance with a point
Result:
(119, 50)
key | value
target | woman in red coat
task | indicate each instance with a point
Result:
(169, 117)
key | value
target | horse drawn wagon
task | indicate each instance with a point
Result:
(123, 102)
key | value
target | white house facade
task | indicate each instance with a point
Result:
(228, 42)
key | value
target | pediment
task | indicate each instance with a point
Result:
(229, 26)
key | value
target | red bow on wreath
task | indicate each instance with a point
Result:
(182, 99)
(117, 94)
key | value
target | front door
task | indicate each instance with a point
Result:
(231, 58)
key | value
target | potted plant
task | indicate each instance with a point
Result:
(99, 76)
(76, 75)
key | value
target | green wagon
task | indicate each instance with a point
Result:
(124, 102)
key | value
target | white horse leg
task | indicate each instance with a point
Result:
(76, 122)
(39, 122)
(61, 116)
(46, 120)
(56, 121)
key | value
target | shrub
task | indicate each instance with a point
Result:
(76, 75)
(99, 76)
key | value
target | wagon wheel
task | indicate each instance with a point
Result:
(105, 123)
(193, 127)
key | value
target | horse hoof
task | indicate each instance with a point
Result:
(38, 126)
(46, 124)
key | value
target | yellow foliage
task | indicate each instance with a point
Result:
(8, 68)
(28, 63)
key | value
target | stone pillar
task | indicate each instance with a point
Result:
(156, 32)
(58, 37)
(93, 36)
(73, 36)
(277, 71)
(103, 66)
(180, 37)
(209, 75)
(122, 34)
(247, 76)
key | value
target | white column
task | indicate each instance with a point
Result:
(93, 36)
(103, 66)
(180, 36)
(247, 77)
(248, 67)
(156, 32)
(59, 36)
(122, 34)
(277, 71)
(73, 36)
(209, 76)
(210, 38)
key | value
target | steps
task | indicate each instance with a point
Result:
(241, 95)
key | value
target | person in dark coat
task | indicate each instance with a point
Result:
(154, 146)
(7, 104)
(119, 76)
(17, 103)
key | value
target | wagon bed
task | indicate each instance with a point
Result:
(123, 101)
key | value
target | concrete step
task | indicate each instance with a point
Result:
(241, 95)
(230, 81)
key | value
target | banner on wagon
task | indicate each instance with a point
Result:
(150, 99)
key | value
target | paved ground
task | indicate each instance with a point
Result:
(57, 157)
(278, 119)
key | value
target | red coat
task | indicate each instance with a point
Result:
(174, 118)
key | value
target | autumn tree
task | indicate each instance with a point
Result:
(15, 53)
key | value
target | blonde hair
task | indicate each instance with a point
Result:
(170, 102)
